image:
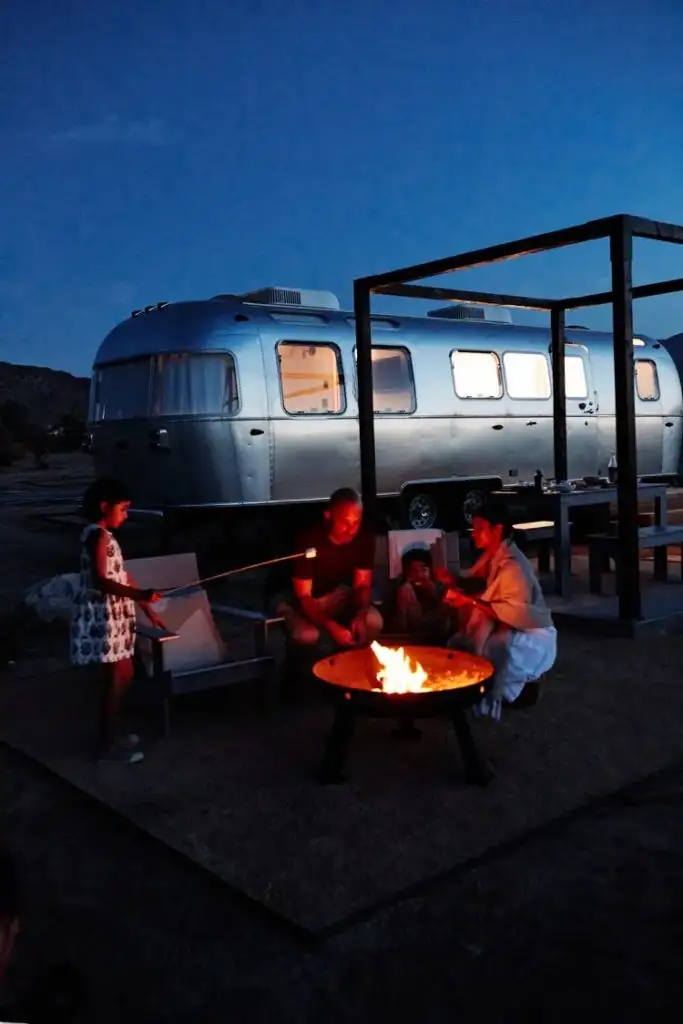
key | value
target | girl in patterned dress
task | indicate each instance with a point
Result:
(103, 621)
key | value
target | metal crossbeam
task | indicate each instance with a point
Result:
(620, 230)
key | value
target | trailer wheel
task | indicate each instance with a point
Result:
(449, 507)
(472, 501)
(421, 511)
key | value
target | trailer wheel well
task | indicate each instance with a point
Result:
(446, 505)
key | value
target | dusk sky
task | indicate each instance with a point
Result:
(166, 151)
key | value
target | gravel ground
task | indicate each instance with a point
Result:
(586, 915)
(233, 788)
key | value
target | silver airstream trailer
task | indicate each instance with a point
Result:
(248, 402)
(674, 347)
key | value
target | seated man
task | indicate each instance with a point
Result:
(509, 623)
(333, 591)
(419, 610)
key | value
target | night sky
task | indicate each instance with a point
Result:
(155, 151)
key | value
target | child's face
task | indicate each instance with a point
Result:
(485, 535)
(418, 572)
(115, 515)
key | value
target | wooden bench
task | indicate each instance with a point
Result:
(603, 546)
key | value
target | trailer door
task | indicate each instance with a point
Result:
(648, 402)
(583, 403)
(251, 426)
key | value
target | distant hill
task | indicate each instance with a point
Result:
(47, 394)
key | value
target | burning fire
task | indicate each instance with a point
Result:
(399, 673)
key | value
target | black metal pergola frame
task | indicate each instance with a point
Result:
(620, 230)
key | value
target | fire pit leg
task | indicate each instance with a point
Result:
(477, 771)
(332, 768)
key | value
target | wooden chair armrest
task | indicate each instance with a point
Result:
(157, 636)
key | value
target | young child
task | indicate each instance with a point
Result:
(103, 620)
(419, 609)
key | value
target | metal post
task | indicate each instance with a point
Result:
(366, 412)
(559, 393)
(628, 567)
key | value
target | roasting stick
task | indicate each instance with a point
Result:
(308, 553)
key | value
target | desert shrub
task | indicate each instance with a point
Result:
(15, 418)
(72, 432)
(7, 446)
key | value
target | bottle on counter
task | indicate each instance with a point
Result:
(612, 468)
(538, 481)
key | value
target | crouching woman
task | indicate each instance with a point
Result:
(509, 623)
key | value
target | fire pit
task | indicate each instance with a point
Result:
(404, 684)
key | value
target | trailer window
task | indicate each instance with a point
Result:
(476, 374)
(187, 384)
(575, 383)
(647, 382)
(121, 391)
(526, 375)
(311, 379)
(393, 384)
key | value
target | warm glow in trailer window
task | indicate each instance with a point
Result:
(647, 383)
(310, 377)
(476, 375)
(527, 375)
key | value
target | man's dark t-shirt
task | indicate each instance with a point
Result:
(334, 564)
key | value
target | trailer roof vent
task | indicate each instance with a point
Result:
(301, 297)
(480, 314)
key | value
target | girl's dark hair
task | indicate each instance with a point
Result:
(104, 491)
(497, 514)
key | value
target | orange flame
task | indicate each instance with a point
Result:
(399, 673)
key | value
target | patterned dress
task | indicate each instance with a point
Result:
(102, 625)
